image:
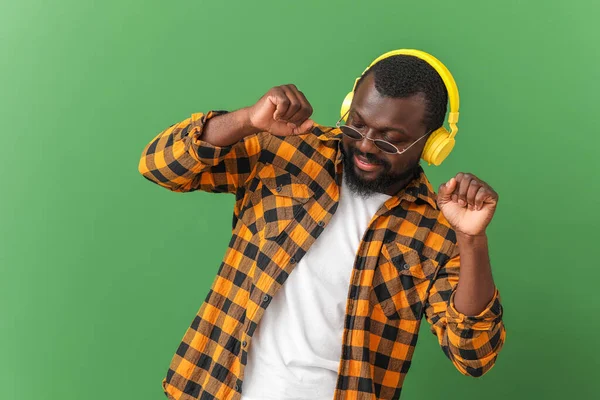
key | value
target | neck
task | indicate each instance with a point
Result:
(402, 181)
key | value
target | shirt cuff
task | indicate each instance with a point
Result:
(484, 321)
(206, 152)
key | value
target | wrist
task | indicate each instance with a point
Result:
(466, 238)
(244, 124)
(245, 120)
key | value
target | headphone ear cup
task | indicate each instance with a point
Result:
(346, 105)
(438, 146)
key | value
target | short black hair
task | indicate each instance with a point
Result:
(405, 76)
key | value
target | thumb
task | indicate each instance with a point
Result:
(306, 126)
(445, 191)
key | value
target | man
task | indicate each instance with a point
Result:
(339, 245)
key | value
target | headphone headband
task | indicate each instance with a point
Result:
(451, 87)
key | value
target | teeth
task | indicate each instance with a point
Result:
(365, 162)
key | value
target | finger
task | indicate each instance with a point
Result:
(463, 188)
(474, 187)
(306, 126)
(282, 128)
(490, 197)
(281, 102)
(480, 197)
(446, 189)
(305, 111)
(294, 106)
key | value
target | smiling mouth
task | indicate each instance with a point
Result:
(362, 164)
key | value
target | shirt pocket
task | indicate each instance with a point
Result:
(276, 199)
(401, 281)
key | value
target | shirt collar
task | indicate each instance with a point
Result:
(419, 188)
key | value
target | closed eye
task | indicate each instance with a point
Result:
(356, 122)
(394, 140)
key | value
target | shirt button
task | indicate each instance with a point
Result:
(293, 260)
(265, 298)
(405, 267)
(237, 388)
(321, 223)
(278, 188)
(244, 343)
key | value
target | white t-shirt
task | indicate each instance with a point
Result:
(296, 348)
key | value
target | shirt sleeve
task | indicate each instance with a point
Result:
(472, 343)
(179, 160)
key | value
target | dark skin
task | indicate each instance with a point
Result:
(399, 121)
(467, 202)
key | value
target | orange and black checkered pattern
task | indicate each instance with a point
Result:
(286, 190)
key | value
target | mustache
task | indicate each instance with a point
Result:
(371, 158)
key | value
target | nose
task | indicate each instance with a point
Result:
(367, 146)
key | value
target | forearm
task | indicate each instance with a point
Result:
(228, 129)
(180, 158)
(471, 334)
(476, 286)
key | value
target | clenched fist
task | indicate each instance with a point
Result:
(468, 203)
(283, 111)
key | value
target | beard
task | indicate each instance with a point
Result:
(385, 179)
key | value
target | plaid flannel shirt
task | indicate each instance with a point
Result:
(286, 191)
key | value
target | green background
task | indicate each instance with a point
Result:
(102, 271)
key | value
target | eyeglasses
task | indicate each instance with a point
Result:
(382, 145)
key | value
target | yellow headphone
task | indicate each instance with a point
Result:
(441, 142)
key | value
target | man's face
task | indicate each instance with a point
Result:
(399, 121)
